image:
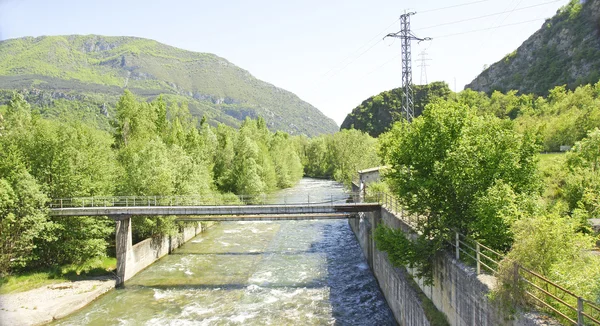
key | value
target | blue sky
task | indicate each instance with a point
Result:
(328, 52)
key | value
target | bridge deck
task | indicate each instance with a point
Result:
(266, 217)
(256, 210)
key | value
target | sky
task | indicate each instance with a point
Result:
(330, 53)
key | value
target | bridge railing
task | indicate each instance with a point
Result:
(538, 289)
(208, 200)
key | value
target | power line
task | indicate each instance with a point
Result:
(358, 49)
(490, 15)
(489, 28)
(336, 71)
(383, 65)
(453, 6)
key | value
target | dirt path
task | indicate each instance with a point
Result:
(42, 305)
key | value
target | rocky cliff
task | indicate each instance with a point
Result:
(564, 51)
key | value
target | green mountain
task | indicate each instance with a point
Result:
(94, 70)
(564, 51)
(376, 114)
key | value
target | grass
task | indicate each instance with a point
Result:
(552, 170)
(551, 160)
(31, 280)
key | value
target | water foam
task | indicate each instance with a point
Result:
(241, 318)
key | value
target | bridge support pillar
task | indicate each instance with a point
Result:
(124, 255)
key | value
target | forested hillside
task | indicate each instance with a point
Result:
(376, 114)
(561, 118)
(564, 51)
(94, 70)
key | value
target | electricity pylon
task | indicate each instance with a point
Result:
(423, 60)
(406, 36)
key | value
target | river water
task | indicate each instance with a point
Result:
(253, 273)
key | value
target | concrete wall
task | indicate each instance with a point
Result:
(369, 177)
(458, 291)
(401, 297)
(133, 259)
(144, 253)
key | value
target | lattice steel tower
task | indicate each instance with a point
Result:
(406, 36)
(423, 60)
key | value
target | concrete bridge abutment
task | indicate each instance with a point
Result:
(124, 248)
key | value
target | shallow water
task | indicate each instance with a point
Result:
(253, 273)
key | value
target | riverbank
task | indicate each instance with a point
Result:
(51, 302)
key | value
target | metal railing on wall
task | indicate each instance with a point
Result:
(540, 291)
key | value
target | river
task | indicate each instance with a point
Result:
(253, 273)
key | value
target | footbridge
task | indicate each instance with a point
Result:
(202, 208)
(211, 208)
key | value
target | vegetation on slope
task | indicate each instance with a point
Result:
(376, 114)
(561, 118)
(97, 68)
(564, 51)
(466, 166)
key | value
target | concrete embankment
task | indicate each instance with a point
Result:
(146, 252)
(458, 292)
(45, 304)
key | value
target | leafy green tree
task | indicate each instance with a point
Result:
(67, 159)
(224, 158)
(288, 167)
(246, 171)
(449, 164)
(149, 170)
(23, 220)
(318, 158)
(582, 185)
(134, 119)
(352, 150)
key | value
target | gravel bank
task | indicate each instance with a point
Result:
(55, 301)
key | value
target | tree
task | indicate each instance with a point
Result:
(288, 167)
(450, 163)
(23, 220)
(582, 185)
(317, 158)
(352, 150)
(246, 171)
(136, 119)
(224, 158)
